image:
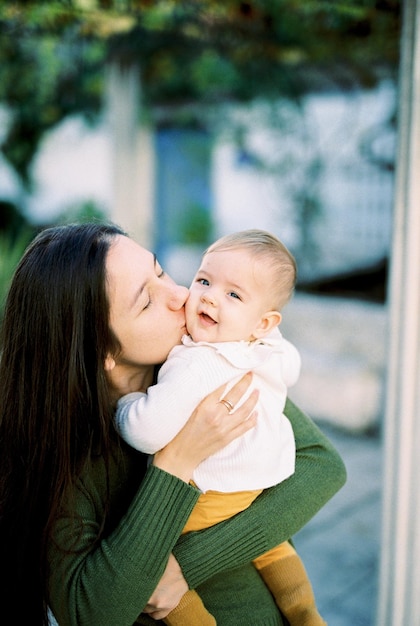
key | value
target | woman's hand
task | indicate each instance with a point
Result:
(211, 427)
(171, 587)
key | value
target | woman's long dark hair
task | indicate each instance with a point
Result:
(55, 406)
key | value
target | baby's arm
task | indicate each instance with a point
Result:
(148, 422)
(135, 428)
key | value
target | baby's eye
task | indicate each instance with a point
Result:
(232, 294)
(203, 281)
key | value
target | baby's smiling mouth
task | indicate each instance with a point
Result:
(206, 318)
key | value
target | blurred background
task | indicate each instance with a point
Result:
(186, 120)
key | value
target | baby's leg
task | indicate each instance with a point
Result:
(284, 574)
(190, 612)
(212, 507)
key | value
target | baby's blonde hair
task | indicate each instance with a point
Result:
(262, 245)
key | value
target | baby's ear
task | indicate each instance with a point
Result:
(268, 321)
(109, 363)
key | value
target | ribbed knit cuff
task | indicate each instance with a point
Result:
(241, 620)
(171, 501)
(206, 553)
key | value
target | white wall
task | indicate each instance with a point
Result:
(354, 225)
(76, 164)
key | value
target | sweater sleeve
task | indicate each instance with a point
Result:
(111, 581)
(276, 515)
(148, 422)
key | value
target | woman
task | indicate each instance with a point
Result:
(86, 526)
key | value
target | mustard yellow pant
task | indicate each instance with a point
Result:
(281, 568)
(214, 507)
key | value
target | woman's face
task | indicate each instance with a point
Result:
(146, 306)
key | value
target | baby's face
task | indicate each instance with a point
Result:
(228, 297)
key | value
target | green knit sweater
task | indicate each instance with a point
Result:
(109, 583)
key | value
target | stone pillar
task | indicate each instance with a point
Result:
(132, 155)
(399, 584)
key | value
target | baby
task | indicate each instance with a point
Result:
(232, 317)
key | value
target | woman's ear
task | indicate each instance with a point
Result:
(268, 321)
(109, 363)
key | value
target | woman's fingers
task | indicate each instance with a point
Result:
(233, 401)
(238, 421)
(211, 427)
(169, 591)
(234, 395)
(232, 416)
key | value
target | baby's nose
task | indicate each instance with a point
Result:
(209, 297)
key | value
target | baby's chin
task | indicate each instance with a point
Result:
(199, 335)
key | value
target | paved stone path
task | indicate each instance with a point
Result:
(340, 546)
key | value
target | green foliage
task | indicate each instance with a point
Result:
(86, 212)
(44, 79)
(11, 251)
(53, 54)
(196, 226)
(11, 219)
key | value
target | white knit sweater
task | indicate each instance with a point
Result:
(265, 455)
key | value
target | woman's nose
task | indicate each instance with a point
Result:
(178, 297)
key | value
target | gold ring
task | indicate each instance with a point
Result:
(227, 404)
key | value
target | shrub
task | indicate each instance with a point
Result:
(11, 250)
